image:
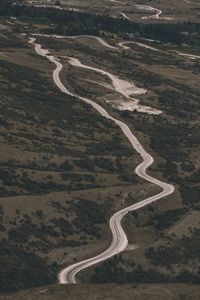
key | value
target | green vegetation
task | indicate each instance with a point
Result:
(74, 23)
(176, 139)
(184, 250)
(89, 215)
(54, 170)
(164, 220)
(5, 7)
(114, 271)
(110, 291)
(21, 269)
(60, 158)
(39, 110)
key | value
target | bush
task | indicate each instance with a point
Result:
(21, 270)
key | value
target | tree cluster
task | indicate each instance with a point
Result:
(74, 23)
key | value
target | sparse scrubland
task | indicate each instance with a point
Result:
(64, 170)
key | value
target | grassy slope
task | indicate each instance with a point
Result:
(109, 292)
(170, 137)
(59, 181)
(48, 131)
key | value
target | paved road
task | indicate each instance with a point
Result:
(122, 44)
(119, 238)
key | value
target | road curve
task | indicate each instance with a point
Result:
(157, 12)
(121, 45)
(119, 238)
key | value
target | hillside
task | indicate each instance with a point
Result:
(108, 292)
(152, 11)
(65, 169)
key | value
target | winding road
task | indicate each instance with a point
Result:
(122, 45)
(187, 55)
(119, 238)
(121, 86)
(157, 11)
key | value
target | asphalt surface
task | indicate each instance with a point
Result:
(119, 238)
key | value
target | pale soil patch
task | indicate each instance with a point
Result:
(3, 27)
(132, 247)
